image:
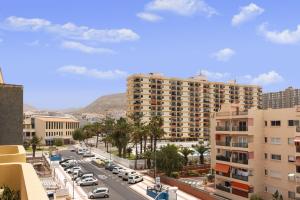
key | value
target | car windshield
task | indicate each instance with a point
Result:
(131, 177)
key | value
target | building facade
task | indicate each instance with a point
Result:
(11, 113)
(49, 128)
(288, 98)
(256, 152)
(185, 104)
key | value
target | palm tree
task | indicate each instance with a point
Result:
(98, 128)
(277, 196)
(35, 141)
(186, 152)
(120, 136)
(201, 149)
(108, 129)
(148, 155)
(156, 129)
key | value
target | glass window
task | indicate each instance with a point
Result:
(291, 158)
(266, 156)
(275, 140)
(275, 157)
(290, 140)
(266, 140)
(275, 123)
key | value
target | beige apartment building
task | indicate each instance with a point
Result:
(185, 104)
(256, 152)
(50, 128)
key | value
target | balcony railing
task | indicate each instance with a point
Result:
(240, 177)
(222, 128)
(245, 162)
(240, 144)
(220, 143)
(223, 158)
(239, 128)
(223, 188)
(220, 114)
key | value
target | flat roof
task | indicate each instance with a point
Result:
(56, 118)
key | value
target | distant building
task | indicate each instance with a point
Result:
(11, 112)
(185, 104)
(288, 98)
(256, 152)
(49, 128)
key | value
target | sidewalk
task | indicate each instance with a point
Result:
(141, 187)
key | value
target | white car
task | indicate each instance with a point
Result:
(135, 178)
(88, 181)
(116, 170)
(99, 193)
(126, 174)
(121, 172)
(84, 176)
(73, 169)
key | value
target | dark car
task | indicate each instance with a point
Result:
(110, 166)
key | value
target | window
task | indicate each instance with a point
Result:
(266, 172)
(266, 156)
(293, 122)
(290, 140)
(275, 140)
(274, 174)
(266, 140)
(266, 123)
(291, 195)
(275, 157)
(291, 158)
(275, 123)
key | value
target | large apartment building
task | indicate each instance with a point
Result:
(256, 152)
(11, 112)
(185, 104)
(50, 128)
(288, 98)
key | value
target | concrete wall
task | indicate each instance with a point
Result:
(11, 114)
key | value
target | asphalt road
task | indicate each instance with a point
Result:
(118, 189)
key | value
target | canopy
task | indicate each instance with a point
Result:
(240, 186)
(222, 168)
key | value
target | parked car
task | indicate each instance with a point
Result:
(110, 166)
(64, 160)
(116, 170)
(72, 169)
(68, 166)
(88, 154)
(121, 171)
(99, 193)
(84, 176)
(135, 178)
(88, 181)
(126, 174)
(68, 163)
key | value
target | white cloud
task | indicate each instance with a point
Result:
(70, 30)
(223, 54)
(247, 13)
(85, 49)
(268, 78)
(149, 17)
(95, 73)
(281, 37)
(182, 7)
(214, 75)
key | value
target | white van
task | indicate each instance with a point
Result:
(126, 174)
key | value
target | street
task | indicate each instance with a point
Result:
(118, 189)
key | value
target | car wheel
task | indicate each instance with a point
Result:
(106, 196)
(95, 183)
(92, 197)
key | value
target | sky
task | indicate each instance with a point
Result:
(68, 53)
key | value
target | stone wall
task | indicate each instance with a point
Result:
(11, 114)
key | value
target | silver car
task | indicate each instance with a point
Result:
(99, 192)
(88, 181)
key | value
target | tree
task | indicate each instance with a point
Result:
(129, 151)
(277, 196)
(98, 128)
(108, 129)
(255, 197)
(201, 149)
(148, 155)
(168, 160)
(35, 141)
(186, 152)
(78, 135)
(58, 142)
(120, 136)
(156, 130)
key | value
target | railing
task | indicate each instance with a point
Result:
(245, 162)
(223, 158)
(240, 144)
(239, 177)
(219, 143)
(223, 188)
(220, 114)
(239, 128)
(222, 128)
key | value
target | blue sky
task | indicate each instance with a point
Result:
(68, 53)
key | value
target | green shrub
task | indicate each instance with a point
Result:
(10, 194)
(174, 175)
(192, 173)
(58, 142)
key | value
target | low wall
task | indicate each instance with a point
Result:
(201, 194)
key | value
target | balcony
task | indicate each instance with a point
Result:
(223, 158)
(223, 188)
(222, 128)
(12, 153)
(239, 128)
(240, 161)
(240, 144)
(240, 177)
(298, 129)
(221, 143)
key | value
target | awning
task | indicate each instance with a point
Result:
(240, 186)
(222, 168)
(297, 139)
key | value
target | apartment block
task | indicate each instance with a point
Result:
(50, 128)
(185, 104)
(256, 152)
(11, 113)
(288, 98)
